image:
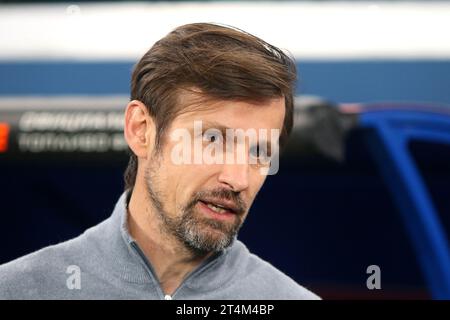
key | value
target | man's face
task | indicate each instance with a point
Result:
(203, 205)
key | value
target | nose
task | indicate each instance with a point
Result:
(235, 176)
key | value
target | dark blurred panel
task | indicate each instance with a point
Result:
(433, 160)
(43, 204)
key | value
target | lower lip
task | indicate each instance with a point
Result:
(219, 216)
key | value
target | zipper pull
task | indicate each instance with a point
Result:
(167, 297)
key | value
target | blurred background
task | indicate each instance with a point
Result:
(366, 177)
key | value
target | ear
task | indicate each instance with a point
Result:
(139, 129)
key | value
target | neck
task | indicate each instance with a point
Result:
(171, 260)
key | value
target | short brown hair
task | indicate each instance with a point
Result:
(224, 63)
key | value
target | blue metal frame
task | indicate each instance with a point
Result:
(388, 138)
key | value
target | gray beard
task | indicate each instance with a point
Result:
(198, 235)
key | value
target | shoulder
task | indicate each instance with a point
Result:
(38, 274)
(263, 279)
(27, 276)
(281, 286)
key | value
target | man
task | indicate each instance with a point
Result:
(172, 234)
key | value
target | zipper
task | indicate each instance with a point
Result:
(152, 273)
(150, 270)
(199, 269)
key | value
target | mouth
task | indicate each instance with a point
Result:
(218, 209)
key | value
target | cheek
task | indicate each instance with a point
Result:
(183, 181)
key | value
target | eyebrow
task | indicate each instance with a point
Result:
(211, 124)
(214, 125)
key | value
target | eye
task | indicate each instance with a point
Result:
(259, 153)
(212, 137)
(254, 151)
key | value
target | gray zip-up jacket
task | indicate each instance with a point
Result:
(106, 263)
